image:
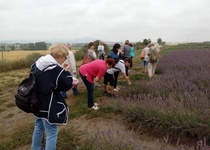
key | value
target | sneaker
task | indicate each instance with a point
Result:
(96, 84)
(116, 90)
(95, 108)
(105, 93)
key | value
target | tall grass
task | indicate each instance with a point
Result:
(19, 64)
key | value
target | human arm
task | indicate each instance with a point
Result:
(126, 78)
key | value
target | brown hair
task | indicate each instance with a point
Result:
(110, 62)
(90, 44)
(129, 60)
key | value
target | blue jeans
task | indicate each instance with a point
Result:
(75, 91)
(42, 125)
(90, 90)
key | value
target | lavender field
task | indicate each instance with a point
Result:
(176, 101)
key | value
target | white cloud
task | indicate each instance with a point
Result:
(108, 20)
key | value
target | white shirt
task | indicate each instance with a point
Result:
(120, 66)
(71, 61)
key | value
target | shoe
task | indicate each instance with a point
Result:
(95, 108)
(116, 90)
(105, 93)
(112, 96)
(96, 84)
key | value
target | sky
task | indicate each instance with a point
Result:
(106, 20)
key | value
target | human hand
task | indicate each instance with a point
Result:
(67, 67)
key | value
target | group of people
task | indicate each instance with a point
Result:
(59, 73)
(149, 66)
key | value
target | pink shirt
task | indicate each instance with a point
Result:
(96, 68)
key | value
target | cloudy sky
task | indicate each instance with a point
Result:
(106, 20)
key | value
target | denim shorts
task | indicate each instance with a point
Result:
(144, 63)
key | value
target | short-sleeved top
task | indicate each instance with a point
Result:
(96, 68)
(120, 66)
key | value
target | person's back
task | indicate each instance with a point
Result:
(126, 51)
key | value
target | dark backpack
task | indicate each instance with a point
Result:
(26, 98)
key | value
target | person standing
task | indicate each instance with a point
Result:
(126, 50)
(53, 108)
(90, 54)
(145, 59)
(72, 62)
(101, 51)
(132, 54)
(153, 65)
(91, 72)
(117, 54)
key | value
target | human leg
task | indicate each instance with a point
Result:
(75, 91)
(145, 67)
(150, 69)
(37, 134)
(51, 135)
(90, 90)
(116, 74)
(154, 68)
(112, 83)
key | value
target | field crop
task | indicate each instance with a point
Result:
(176, 101)
(21, 54)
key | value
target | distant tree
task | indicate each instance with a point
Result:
(146, 41)
(3, 48)
(24, 46)
(40, 46)
(31, 46)
(12, 47)
(159, 41)
(139, 45)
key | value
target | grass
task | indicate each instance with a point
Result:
(67, 139)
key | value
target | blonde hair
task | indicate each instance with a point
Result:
(57, 50)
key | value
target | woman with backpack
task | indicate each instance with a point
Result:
(53, 108)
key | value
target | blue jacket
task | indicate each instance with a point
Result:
(51, 79)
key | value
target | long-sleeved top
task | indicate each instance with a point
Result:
(96, 68)
(72, 62)
(49, 83)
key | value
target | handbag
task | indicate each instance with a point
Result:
(86, 59)
(142, 54)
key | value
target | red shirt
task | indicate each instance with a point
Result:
(96, 68)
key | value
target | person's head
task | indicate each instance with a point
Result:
(91, 45)
(116, 47)
(127, 42)
(128, 62)
(59, 52)
(110, 63)
(130, 44)
(68, 46)
(151, 46)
